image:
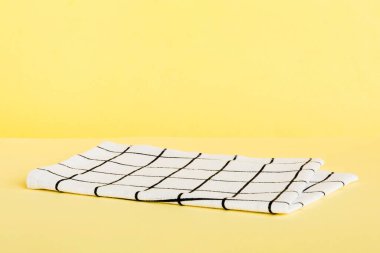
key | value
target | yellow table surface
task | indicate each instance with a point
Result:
(46, 221)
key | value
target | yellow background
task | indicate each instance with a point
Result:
(85, 68)
(201, 68)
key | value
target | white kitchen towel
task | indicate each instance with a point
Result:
(154, 174)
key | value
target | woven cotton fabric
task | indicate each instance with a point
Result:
(155, 174)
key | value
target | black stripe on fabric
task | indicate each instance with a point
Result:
(105, 161)
(216, 199)
(136, 196)
(96, 188)
(331, 181)
(286, 187)
(327, 177)
(179, 199)
(246, 184)
(324, 193)
(224, 204)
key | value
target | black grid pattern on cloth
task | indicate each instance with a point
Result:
(91, 169)
(200, 181)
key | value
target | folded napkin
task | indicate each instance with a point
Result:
(154, 174)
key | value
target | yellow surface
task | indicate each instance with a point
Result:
(45, 221)
(85, 68)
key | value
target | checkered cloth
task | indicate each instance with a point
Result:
(153, 174)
